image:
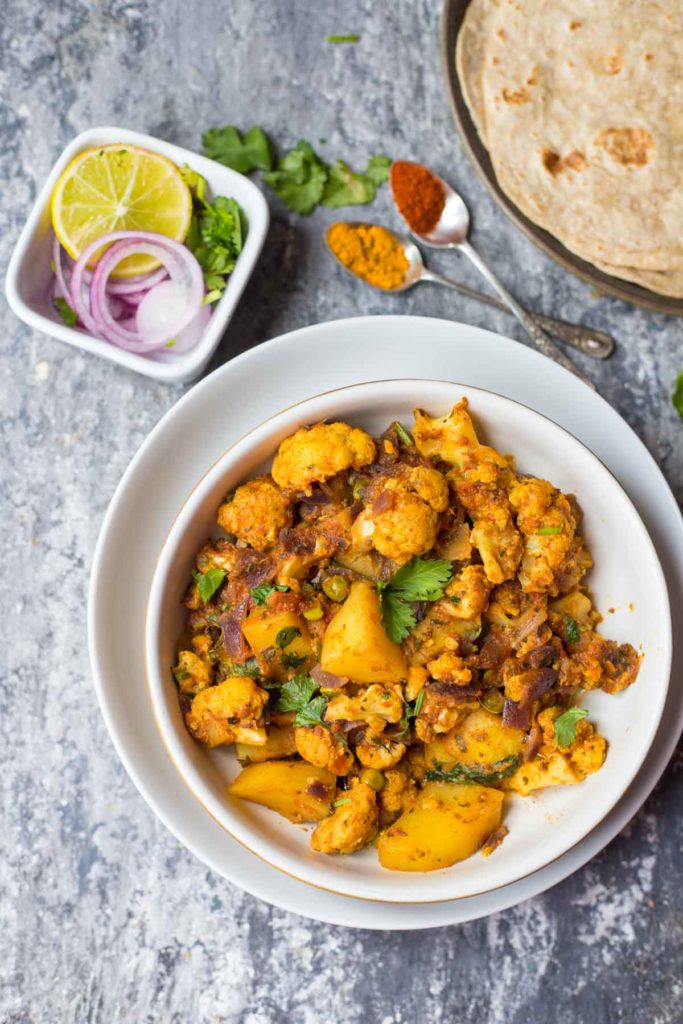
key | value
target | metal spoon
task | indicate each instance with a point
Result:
(597, 344)
(451, 233)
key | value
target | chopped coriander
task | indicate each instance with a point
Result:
(250, 668)
(341, 801)
(565, 726)
(171, 343)
(208, 582)
(548, 531)
(216, 238)
(291, 661)
(261, 593)
(297, 695)
(286, 636)
(378, 169)
(68, 315)
(411, 711)
(418, 580)
(677, 397)
(299, 179)
(352, 37)
(572, 630)
(243, 154)
(482, 774)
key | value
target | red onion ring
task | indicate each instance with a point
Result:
(94, 312)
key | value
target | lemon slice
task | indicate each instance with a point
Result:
(120, 188)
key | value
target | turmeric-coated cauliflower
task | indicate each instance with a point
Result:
(192, 673)
(380, 752)
(313, 454)
(376, 705)
(323, 748)
(556, 765)
(352, 825)
(397, 795)
(548, 522)
(449, 668)
(468, 592)
(256, 514)
(229, 712)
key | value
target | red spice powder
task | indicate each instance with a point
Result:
(418, 195)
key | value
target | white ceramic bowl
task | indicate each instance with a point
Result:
(627, 578)
(29, 274)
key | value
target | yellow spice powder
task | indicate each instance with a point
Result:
(369, 251)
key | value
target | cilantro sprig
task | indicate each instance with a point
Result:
(261, 593)
(419, 580)
(216, 235)
(208, 582)
(243, 154)
(565, 726)
(68, 315)
(481, 774)
(411, 711)
(677, 397)
(298, 695)
(572, 630)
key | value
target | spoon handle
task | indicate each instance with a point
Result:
(589, 340)
(537, 335)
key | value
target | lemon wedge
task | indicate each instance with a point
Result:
(120, 188)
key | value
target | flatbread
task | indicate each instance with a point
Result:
(668, 283)
(581, 107)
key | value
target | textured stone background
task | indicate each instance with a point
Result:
(103, 916)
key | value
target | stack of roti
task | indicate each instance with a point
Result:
(580, 105)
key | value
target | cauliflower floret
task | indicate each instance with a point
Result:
(557, 765)
(417, 677)
(352, 825)
(405, 529)
(379, 753)
(468, 592)
(375, 704)
(453, 439)
(449, 668)
(192, 673)
(322, 748)
(229, 712)
(314, 454)
(397, 794)
(604, 663)
(548, 522)
(440, 712)
(256, 514)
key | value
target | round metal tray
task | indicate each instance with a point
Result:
(453, 14)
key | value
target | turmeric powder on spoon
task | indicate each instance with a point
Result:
(370, 252)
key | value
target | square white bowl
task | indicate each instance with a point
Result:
(29, 274)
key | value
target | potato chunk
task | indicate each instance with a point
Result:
(279, 743)
(265, 628)
(447, 823)
(480, 738)
(298, 791)
(355, 644)
(314, 454)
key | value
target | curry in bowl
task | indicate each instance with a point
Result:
(394, 632)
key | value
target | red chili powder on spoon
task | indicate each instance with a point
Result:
(419, 196)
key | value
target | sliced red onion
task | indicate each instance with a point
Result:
(327, 680)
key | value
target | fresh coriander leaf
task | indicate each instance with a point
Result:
(208, 582)
(216, 238)
(350, 38)
(195, 181)
(411, 711)
(548, 531)
(403, 435)
(250, 668)
(398, 618)
(291, 661)
(261, 593)
(419, 701)
(378, 169)
(565, 726)
(573, 631)
(482, 774)
(285, 637)
(296, 693)
(677, 397)
(421, 579)
(312, 714)
(227, 146)
(68, 315)
(341, 801)
(346, 188)
(299, 179)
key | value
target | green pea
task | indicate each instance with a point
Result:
(336, 588)
(493, 702)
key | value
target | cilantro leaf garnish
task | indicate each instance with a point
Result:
(352, 37)
(243, 154)
(347, 188)
(548, 531)
(261, 593)
(208, 582)
(291, 661)
(378, 169)
(216, 235)
(297, 695)
(411, 711)
(677, 397)
(418, 580)
(285, 637)
(403, 435)
(299, 179)
(68, 315)
(565, 726)
(483, 774)
(572, 629)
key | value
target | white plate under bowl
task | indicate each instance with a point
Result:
(30, 275)
(215, 414)
(627, 578)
